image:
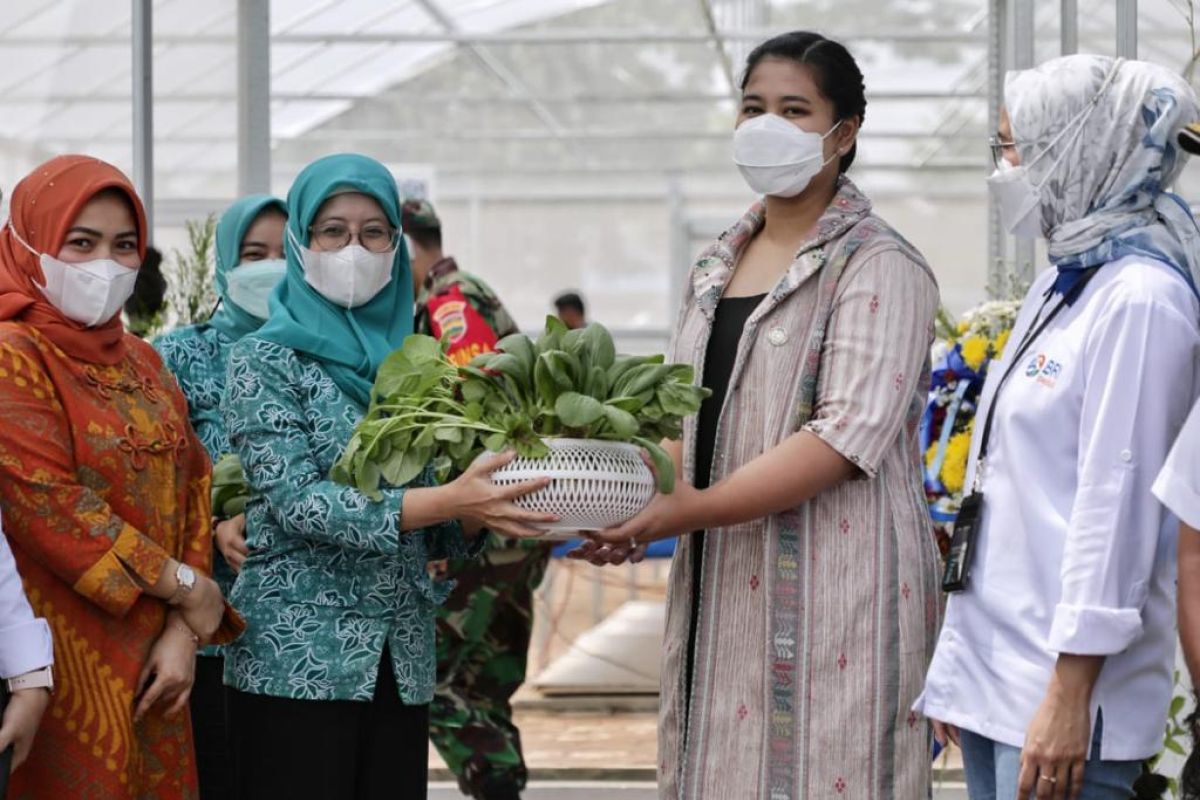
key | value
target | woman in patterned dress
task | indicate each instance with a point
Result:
(801, 613)
(337, 667)
(249, 264)
(104, 490)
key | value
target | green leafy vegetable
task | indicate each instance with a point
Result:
(230, 492)
(425, 411)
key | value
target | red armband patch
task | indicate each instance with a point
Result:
(468, 333)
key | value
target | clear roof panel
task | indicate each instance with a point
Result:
(492, 86)
(496, 102)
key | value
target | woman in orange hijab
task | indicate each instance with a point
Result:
(104, 490)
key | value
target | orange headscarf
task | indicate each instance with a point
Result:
(43, 208)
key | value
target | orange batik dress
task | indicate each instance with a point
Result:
(101, 480)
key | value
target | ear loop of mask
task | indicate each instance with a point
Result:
(13, 230)
(1075, 126)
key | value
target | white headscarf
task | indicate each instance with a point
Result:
(1107, 196)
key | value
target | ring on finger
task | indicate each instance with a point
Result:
(1049, 778)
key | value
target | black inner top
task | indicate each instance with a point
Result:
(728, 324)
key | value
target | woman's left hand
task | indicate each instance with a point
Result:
(1056, 747)
(170, 670)
(667, 515)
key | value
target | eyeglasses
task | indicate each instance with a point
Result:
(375, 237)
(998, 146)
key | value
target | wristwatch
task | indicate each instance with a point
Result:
(36, 679)
(185, 576)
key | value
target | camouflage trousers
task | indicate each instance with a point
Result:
(483, 632)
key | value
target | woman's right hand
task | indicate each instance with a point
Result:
(475, 498)
(20, 722)
(203, 607)
(945, 733)
(230, 535)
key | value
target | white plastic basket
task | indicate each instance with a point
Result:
(597, 484)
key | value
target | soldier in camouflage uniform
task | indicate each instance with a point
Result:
(484, 626)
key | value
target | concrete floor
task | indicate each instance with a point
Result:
(619, 790)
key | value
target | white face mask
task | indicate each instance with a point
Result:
(88, 292)
(1017, 200)
(777, 158)
(251, 284)
(349, 277)
(1017, 197)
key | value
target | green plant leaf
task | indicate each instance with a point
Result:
(475, 389)
(531, 447)
(234, 506)
(624, 425)
(547, 387)
(368, 477)
(663, 465)
(403, 468)
(578, 410)
(447, 433)
(561, 369)
(512, 367)
(443, 469)
(551, 337)
(521, 346)
(598, 345)
(425, 438)
(630, 404)
(422, 349)
(678, 399)
(645, 378)
(495, 442)
(597, 383)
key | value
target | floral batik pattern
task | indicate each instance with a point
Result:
(331, 579)
(102, 482)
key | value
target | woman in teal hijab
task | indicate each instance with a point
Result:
(249, 264)
(336, 668)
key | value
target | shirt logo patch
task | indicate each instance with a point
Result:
(1044, 370)
(450, 318)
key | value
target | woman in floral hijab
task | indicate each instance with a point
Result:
(1054, 665)
(1106, 190)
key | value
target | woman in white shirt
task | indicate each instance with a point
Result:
(26, 654)
(1054, 665)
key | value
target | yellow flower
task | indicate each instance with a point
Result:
(931, 455)
(1001, 340)
(954, 467)
(963, 327)
(974, 351)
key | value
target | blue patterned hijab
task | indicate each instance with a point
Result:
(351, 343)
(1107, 197)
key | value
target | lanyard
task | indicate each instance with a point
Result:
(1035, 330)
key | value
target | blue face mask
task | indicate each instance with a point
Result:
(251, 284)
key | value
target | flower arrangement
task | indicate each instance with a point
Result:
(961, 356)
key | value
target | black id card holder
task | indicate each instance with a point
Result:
(962, 544)
(966, 524)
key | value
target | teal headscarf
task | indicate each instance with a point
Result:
(351, 343)
(229, 318)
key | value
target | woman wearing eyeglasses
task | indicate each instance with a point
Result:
(333, 677)
(1054, 665)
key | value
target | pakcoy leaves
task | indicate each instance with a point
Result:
(426, 412)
